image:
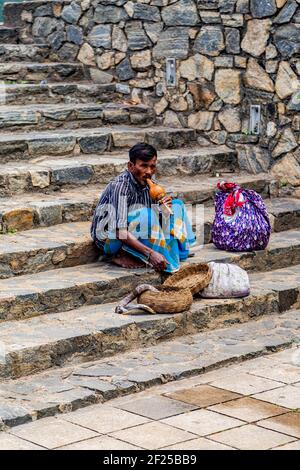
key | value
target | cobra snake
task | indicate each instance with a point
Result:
(125, 307)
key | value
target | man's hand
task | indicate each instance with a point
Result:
(166, 200)
(158, 261)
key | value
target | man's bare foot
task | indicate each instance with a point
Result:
(127, 261)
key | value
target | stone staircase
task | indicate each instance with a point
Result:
(62, 138)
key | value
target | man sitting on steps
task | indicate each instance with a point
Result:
(134, 230)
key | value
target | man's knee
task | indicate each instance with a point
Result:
(140, 222)
(178, 208)
(141, 216)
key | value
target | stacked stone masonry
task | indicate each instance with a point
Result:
(230, 54)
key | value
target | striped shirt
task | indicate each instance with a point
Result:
(122, 193)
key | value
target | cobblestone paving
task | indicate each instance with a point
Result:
(70, 388)
(248, 405)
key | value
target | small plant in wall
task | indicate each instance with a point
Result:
(296, 98)
(9, 231)
(283, 183)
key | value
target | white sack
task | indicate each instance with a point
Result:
(228, 280)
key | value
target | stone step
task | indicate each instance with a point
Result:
(285, 212)
(23, 52)
(8, 34)
(69, 388)
(70, 338)
(42, 249)
(36, 72)
(60, 92)
(66, 288)
(87, 141)
(71, 116)
(45, 174)
(26, 211)
(69, 244)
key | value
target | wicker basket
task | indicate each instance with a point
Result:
(167, 300)
(194, 277)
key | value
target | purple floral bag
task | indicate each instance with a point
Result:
(241, 221)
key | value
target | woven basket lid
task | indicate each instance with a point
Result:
(194, 277)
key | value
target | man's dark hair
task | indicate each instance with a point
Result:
(142, 151)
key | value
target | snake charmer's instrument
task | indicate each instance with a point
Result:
(157, 193)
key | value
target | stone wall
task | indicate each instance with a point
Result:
(230, 54)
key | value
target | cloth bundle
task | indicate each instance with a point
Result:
(228, 281)
(241, 219)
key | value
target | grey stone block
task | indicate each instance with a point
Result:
(100, 36)
(74, 34)
(94, 143)
(53, 146)
(79, 174)
(153, 30)
(89, 113)
(263, 8)
(109, 14)
(287, 39)
(210, 41)
(44, 10)
(103, 370)
(13, 415)
(68, 52)
(243, 6)
(173, 42)
(227, 6)
(71, 13)
(56, 40)
(106, 389)
(182, 13)
(57, 115)
(232, 40)
(49, 214)
(146, 12)
(294, 103)
(124, 70)
(208, 4)
(287, 12)
(67, 70)
(144, 376)
(43, 26)
(137, 38)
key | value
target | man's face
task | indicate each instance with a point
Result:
(143, 170)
